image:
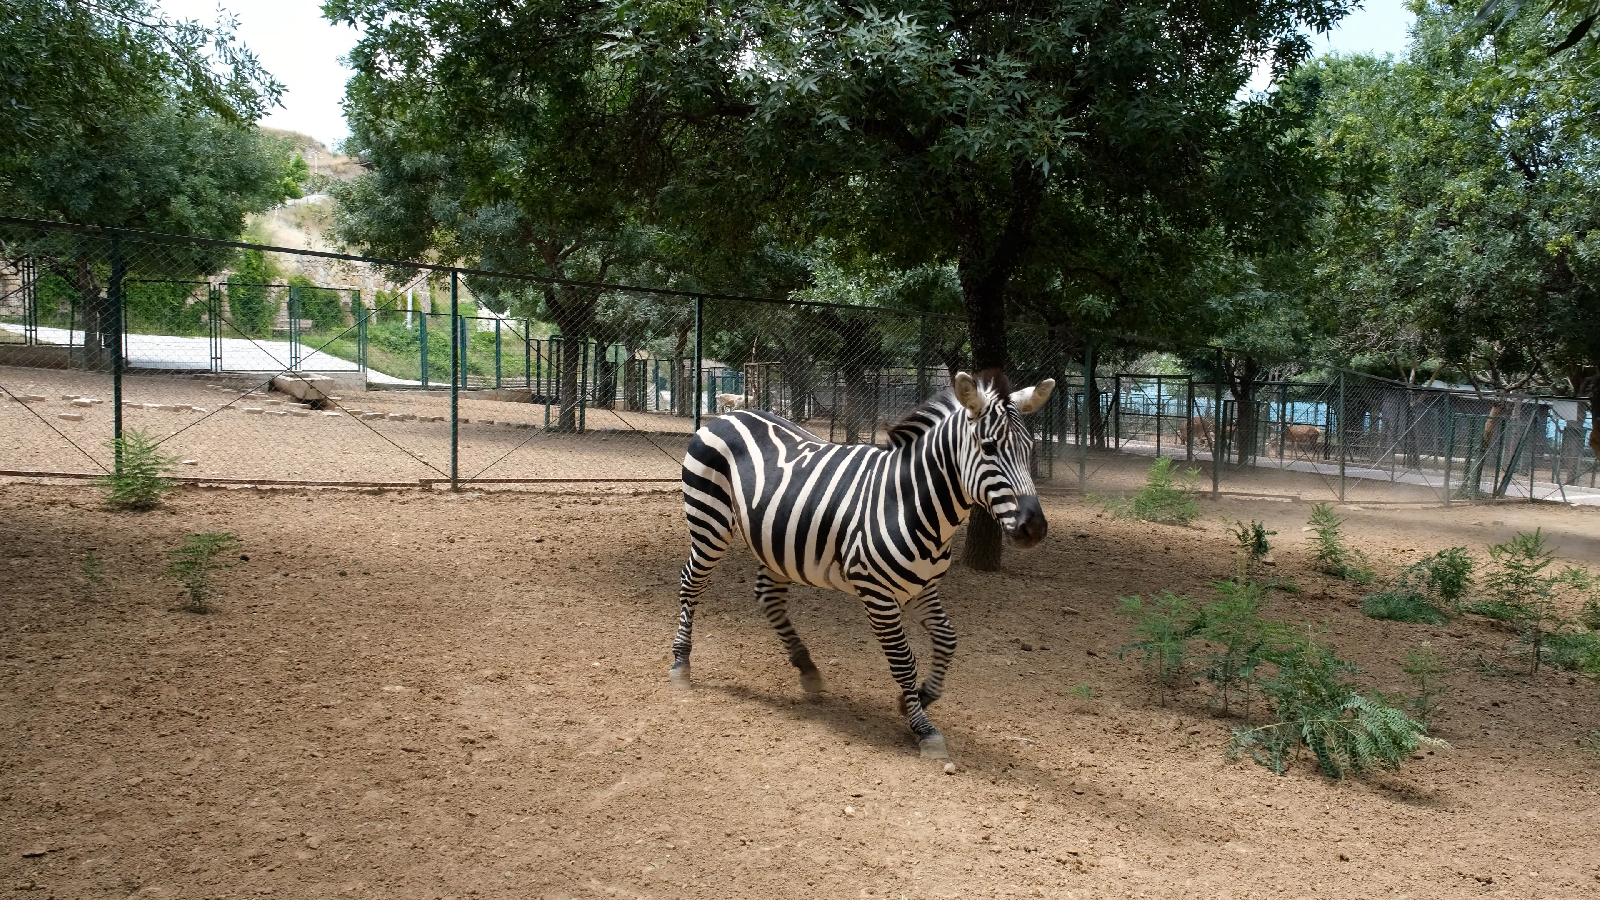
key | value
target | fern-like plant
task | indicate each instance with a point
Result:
(139, 479)
(1428, 672)
(195, 563)
(1253, 545)
(1164, 625)
(1167, 497)
(93, 573)
(1449, 575)
(1232, 624)
(1333, 557)
(1317, 710)
(1522, 592)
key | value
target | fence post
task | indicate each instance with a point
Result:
(497, 352)
(422, 335)
(699, 314)
(455, 388)
(214, 326)
(1083, 418)
(461, 339)
(361, 338)
(1343, 431)
(29, 276)
(1449, 446)
(117, 316)
(527, 356)
(583, 384)
(1216, 430)
(361, 329)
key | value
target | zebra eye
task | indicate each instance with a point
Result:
(989, 448)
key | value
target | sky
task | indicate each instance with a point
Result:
(302, 50)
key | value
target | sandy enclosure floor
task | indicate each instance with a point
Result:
(420, 695)
(499, 439)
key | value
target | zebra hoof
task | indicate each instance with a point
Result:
(933, 747)
(679, 676)
(811, 682)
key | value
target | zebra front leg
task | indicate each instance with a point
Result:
(884, 613)
(772, 592)
(929, 611)
(696, 572)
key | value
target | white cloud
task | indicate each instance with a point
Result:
(300, 48)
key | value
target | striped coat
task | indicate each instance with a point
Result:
(877, 522)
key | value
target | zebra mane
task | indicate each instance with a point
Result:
(922, 419)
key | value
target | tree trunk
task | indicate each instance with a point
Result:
(680, 390)
(1472, 479)
(98, 325)
(1594, 411)
(571, 309)
(983, 291)
(1242, 384)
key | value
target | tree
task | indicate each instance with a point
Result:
(1472, 249)
(986, 135)
(127, 119)
(562, 162)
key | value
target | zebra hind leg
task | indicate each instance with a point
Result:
(884, 614)
(696, 572)
(772, 592)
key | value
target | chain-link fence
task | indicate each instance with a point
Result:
(271, 365)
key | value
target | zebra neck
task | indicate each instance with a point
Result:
(930, 468)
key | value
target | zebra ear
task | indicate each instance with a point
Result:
(1029, 399)
(967, 394)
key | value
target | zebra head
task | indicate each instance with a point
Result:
(994, 451)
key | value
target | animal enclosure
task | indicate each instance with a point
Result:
(471, 377)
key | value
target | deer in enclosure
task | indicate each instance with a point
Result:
(1306, 438)
(1204, 428)
(876, 522)
(727, 403)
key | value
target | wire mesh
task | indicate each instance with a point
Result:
(258, 364)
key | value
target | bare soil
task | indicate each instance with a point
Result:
(411, 694)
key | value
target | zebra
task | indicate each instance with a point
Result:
(872, 521)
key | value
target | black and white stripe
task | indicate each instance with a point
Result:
(872, 521)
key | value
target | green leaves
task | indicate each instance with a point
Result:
(197, 561)
(138, 480)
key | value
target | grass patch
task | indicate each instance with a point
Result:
(1402, 605)
(1167, 497)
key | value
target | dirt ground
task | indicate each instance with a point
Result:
(420, 695)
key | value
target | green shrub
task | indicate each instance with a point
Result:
(1164, 625)
(1253, 545)
(1316, 709)
(252, 301)
(195, 562)
(1425, 591)
(93, 573)
(1589, 615)
(1232, 624)
(1167, 497)
(1573, 651)
(1449, 575)
(1428, 672)
(1402, 604)
(138, 481)
(1523, 591)
(1333, 557)
(319, 304)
